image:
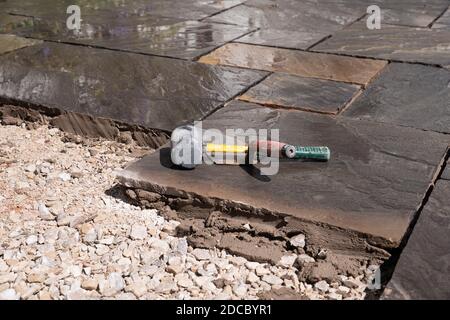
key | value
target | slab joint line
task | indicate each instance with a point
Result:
(438, 17)
(396, 255)
(223, 44)
(237, 95)
(221, 11)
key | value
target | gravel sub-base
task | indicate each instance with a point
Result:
(64, 236)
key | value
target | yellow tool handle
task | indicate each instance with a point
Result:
(226, 148)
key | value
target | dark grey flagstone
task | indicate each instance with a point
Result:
(154, 92)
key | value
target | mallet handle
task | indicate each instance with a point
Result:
(307, 152)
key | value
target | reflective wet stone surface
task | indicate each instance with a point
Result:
(10, 43)
(306, 15)
(190, 9)
(282, 90)
(288, 23)
(409, 95)
(283, 23)
(291, 14)
(306, 64)
(155, 92)
(391, 42)
(283, 38)
(185, 9)
(424, 265)
(373, 182)
(148, 34)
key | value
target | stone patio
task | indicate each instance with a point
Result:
(380, 99)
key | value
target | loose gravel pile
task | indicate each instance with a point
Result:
(65, 233)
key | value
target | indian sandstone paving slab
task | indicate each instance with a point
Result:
(148, 34)
(10, 22)
(292, 14)
(444, 21)
(283, 38)
(415, 13)
(191, 9)
(295, 24)
(423, 269)
(283, 90)
(10, 43)
(431, 46)
(154, 92)
(185, 9)
(306, 64)
(446, 174)
(288, 23)
(409, 95)
(373, 183)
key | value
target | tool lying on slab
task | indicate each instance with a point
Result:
(188, 150)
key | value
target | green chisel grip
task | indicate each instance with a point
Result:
(306, 153)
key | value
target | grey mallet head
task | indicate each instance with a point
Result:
(186, 146)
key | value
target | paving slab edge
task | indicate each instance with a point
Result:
(80, 124)
(319, 235)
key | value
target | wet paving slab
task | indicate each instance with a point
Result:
(289, 23)
(415, 13)
(291, 14)
(288, 91)
(10, 43)
(409, 95)
(422, 271)
(446, 174)
(301, 63)
(10, 22)
(184, 9)
(190, 9)
(283, 38)
(373, 183)
(294, 24)
(444, 21)
(430, 46)
(154, 92)
(156, 35)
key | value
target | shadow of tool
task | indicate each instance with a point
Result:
(165, 161)
(254, 172)
(164, 158)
